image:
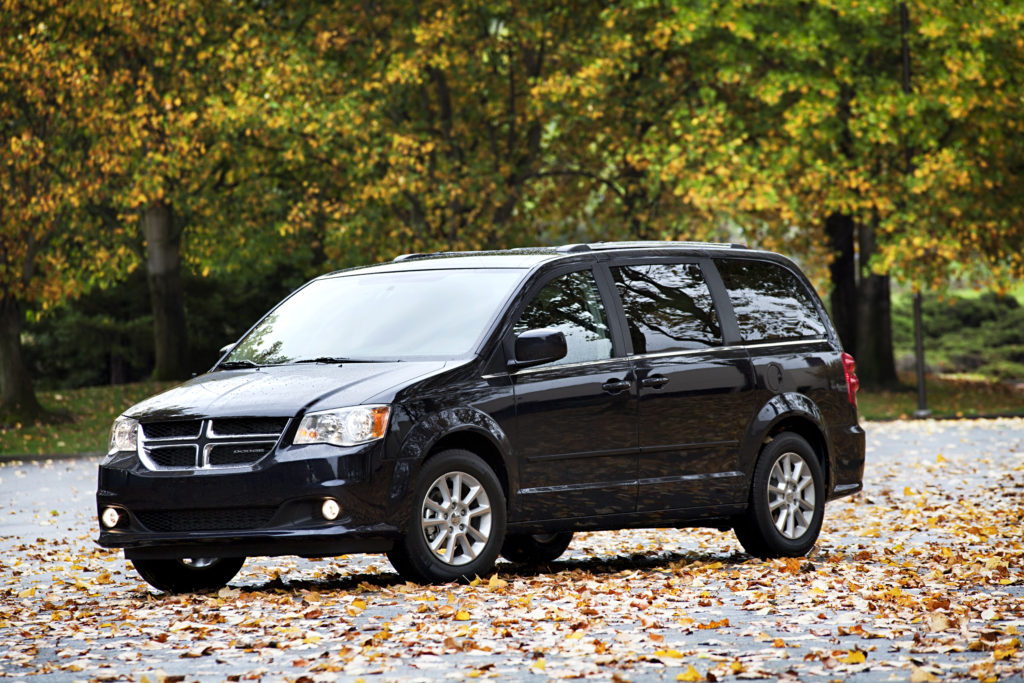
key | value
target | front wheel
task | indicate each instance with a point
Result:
(458, 522)
(188, 575)
(787, 500)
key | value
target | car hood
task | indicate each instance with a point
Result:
(281, 390)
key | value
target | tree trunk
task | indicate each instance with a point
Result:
(17, 396)
(163, 261)
(876, 366)
(840, 231)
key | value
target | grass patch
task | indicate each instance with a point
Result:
(92, 411)
(946, 397)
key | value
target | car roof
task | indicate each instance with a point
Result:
(467, 260)
(531, 257)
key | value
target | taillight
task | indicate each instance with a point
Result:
(852, 383)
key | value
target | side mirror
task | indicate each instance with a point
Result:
(227, 348)
(535, 347)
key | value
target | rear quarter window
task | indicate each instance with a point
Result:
(771, 303)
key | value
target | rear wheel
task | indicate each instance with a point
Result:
(535, 548)
(458, 522)
(190, 574)
(787, 500)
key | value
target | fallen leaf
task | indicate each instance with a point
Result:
(691, 675)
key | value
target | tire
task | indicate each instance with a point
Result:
(189, 575)
(787, 500)
(535, 548)
(457, 524)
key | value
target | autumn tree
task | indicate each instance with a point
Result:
(52, 245)
(201, 145)
(172, 165)
(785, 123)
(222, 136)
(789, 123)
(899, 132)
(130, 136)
(436, 130)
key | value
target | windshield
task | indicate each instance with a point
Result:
(380, 316)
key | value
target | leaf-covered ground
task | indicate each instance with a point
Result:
(918, 578)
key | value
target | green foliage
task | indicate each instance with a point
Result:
(430, 123)
(979, 336)
(105, 337)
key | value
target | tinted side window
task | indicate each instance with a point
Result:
(770, 302)
(571, 303)
(668, 307)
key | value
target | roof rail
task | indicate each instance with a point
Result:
(418, 255)
(580, 247)
(654, 244)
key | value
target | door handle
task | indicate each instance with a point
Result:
(654, 381)
(615, 386)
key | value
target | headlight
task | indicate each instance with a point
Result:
(124, 435)
(344, 426)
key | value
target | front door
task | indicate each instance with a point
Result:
(576, 432)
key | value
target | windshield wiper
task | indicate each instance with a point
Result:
(232, 364)
(330, 359)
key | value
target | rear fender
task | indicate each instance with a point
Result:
(786, 412)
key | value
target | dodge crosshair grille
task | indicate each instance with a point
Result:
(205, 444)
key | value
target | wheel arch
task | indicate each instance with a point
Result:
(794, 413)
(478, 444)
(463, 428)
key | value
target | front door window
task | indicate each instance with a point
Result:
(572, 304)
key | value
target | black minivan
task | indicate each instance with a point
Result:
(448, 408)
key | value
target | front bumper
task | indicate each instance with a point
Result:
(270, 508)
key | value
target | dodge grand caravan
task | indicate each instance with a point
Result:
(446, 409)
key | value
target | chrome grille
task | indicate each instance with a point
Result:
(244, 426)
(174, 456)
(206, 444)
(172, 430)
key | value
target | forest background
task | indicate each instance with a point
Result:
(168, 171)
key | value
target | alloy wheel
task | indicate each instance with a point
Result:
(456, 518)
(791, 495)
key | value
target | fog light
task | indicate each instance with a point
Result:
(110, 517)
(330, 509)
